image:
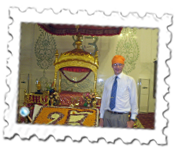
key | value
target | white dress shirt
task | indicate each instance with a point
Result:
(126, 96)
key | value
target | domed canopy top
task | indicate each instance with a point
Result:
(75, 55)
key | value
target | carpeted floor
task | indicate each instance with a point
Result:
(147, 120)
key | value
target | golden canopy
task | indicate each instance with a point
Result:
(76, 58)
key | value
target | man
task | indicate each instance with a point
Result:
(119, 98)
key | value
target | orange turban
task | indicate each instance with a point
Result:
(118, 59)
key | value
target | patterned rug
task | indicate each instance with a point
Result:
(144, 120)
(147, 120)
(66, 116)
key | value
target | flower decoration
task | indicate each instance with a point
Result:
(56, 95)
(67, 116)
(54, 98)
(90, 100)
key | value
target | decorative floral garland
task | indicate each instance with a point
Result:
(67, 116)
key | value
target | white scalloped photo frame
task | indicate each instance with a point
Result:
(144, 136)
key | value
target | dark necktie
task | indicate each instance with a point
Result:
(113, 94)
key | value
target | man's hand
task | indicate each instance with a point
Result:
(101, 122)
(130, 124)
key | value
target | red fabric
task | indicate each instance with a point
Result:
(57, 29)
(72, 80)
(76, 69)
(67, 98)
